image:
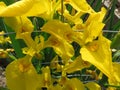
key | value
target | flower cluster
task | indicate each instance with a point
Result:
(71, 28)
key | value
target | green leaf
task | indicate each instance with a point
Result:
(2, 88)
(116, 55)
(15, 42)
(116, 41)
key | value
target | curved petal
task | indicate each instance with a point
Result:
(17, 8)
(56, 27)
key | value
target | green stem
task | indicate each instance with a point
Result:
(62, 17)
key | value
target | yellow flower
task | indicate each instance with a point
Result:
(94, 26)
(34, 49)
(91, 28)
(4, 39)
(98, 53)
(64, 50)
(23, 28)
(21, 75)
(3, 53)
(21, 25)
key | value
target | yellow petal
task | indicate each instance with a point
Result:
(54, 64)
(76, 65)
(98, 53)
(81, 5)
(75, 19)
(42, 8)
(19, 24)
(115, 81)
(28, 51)
(56, 27)
(56, 87)
(23, 28)
(46, 77)
(26, 8)
(93, 86)
(92, 31)
(13, 22)
(73, 84)
(2, 5)
(21, 75)
(116, 67)
(17, 9)
(79, 38)
(96, 16)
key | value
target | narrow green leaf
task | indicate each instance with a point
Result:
(15, 42)
(116, 55)
(98, 5)
(116, 41)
